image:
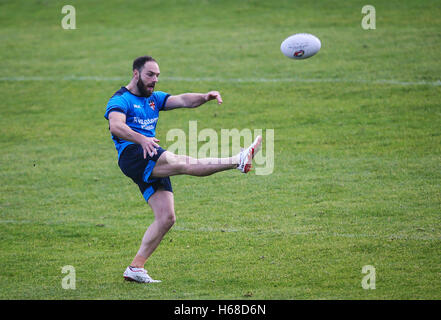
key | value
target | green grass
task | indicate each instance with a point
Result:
(357, 168)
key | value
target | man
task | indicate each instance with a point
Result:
(133, 113)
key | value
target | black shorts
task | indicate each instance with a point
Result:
(132, 164)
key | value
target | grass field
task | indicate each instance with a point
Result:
(357, 174)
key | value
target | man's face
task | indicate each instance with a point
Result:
(148, 76)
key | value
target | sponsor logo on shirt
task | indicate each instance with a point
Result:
(146, 124)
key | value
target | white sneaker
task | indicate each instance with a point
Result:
(247, 155)
(138, 275)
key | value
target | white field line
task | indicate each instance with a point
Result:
(260, 232)
(313, 233)
(232, 80)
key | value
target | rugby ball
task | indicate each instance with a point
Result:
(300, 46)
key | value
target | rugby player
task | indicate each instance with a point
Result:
(133, 113)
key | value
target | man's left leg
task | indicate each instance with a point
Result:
(170, 164)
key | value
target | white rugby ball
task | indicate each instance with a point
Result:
(300, 46)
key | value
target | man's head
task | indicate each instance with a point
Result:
(146, 71)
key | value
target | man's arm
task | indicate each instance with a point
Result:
(119, 128)
(191, 100)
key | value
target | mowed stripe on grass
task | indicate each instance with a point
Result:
(231, 80)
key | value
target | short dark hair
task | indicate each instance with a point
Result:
(139, 62)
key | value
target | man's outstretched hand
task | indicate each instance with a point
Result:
(214, 95)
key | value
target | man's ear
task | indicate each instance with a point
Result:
(136, 74)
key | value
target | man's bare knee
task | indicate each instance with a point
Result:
(187, 164)
(170, 164)
(166, 219)
(179, 163)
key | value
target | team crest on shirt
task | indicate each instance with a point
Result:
(136, 106)
(152, 105)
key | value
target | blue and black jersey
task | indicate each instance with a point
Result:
(141, 113)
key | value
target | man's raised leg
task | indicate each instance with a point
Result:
(170, 164)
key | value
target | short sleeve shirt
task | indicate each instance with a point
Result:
(141, 113)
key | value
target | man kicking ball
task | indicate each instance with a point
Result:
(133, 114)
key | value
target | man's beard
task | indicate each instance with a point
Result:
(142, 90)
